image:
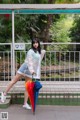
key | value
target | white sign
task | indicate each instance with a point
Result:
(4, 116)
(19, 46)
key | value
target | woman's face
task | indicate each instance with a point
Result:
(35, 45)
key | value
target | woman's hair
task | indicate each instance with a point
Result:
(39, 47)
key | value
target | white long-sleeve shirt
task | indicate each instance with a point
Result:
(33, 61)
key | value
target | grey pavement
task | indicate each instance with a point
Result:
(43, 112)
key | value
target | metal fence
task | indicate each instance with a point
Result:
(60, 69)
(57, 65)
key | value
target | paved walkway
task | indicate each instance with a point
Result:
(43, 112)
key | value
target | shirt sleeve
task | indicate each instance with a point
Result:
(30, 61)
(42, 53)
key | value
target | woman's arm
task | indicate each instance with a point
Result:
(42, 53)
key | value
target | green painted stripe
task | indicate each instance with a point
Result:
(6, 104)
(41, 11)
(5, 11)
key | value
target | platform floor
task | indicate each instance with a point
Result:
(43, 112)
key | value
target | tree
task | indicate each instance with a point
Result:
(50, 18)
(45, 20)
(60, 31)
(75, 31)
(67, 1)
(23, 25)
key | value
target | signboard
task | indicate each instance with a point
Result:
(19, 46)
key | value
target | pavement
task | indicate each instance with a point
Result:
(43, 112)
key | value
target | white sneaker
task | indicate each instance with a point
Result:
(27, 106)
(3, 97)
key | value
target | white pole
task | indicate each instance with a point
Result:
(11, 62)
(13, 42)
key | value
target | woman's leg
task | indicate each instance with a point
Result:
(26, 105)
(12, 82)
(25, 97)
(10, 85)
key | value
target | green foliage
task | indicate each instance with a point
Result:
(20, 56)
(23, 23)
(59, 32)
(24, 1)
(67, 1)
(38, 1)
(75, 30)
(42, 21)
(5, 29)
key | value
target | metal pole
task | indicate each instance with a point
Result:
(13, 42)
(11, 62)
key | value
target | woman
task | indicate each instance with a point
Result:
(31, 66)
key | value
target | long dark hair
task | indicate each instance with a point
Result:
(39, 47)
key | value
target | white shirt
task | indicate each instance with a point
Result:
(33, 61)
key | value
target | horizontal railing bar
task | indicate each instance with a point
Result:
(49, 71)
(5, 43)
(46, 43)
(47, 79)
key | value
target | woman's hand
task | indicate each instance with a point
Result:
(33, 73)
